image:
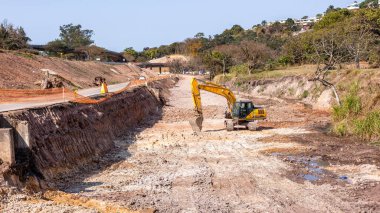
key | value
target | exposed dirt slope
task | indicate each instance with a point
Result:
(170, 59)
(298, 87)
(22, 71)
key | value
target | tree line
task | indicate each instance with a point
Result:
(341, 36)
(74, 42)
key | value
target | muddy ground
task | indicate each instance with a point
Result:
(291, 164)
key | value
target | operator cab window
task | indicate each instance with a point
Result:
(243, 109)
(250, 107)
(236, 109)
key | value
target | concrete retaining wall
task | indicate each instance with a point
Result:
(7, 150)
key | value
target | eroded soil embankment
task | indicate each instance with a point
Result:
(24, 71)
(63, 138)
(314, 93)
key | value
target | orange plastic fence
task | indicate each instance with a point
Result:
(8, 96)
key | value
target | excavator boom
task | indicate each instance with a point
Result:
(210, 87)
(196, 124)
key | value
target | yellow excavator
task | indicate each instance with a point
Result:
(240, 113)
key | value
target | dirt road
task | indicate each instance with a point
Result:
(289, 165)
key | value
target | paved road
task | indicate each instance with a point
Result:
(84, 92)
(96, 90)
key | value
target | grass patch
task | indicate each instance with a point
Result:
(375, 143)
(341, 128)
(25, 55)
(241, 72)
(305, 94)
(351, 105)
(292, 71)
(350, 118)
(369, 126)
(222, 79)
(291, 91)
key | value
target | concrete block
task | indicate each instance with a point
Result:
(22, 135)
(3, 122)
(7, 150)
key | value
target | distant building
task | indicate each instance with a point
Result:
(354, 6)
(159, 68)
(373, 4)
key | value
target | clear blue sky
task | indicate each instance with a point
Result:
(146, 23)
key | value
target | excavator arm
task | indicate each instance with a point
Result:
(209, 87)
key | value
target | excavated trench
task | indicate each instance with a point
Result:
(54, 141)
(291, 164)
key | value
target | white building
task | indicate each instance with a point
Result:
(353, 6)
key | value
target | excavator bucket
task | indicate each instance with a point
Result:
(196, 124)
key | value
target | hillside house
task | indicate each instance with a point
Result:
(354, 6)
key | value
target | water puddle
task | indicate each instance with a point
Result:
(345, 178)
(314, 168)
(310, 177)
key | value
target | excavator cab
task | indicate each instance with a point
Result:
(245, 114)
(242, 109)
(246, 110)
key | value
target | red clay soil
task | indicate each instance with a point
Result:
(23, 71)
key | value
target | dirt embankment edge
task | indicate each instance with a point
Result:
(56, 140)
(314, 93)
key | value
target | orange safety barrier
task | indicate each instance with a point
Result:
(64, 94)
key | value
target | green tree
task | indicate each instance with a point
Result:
(369, 4)
(358, 37)
(255, 54)
(12, 38)
(289, 22)
(236, 29)
(298, 50)
(74, 36)
(333, 18)
(150, 53)
(199, 35)
(130, 54)
(217, 62)
(331, 8)
(57, 47)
